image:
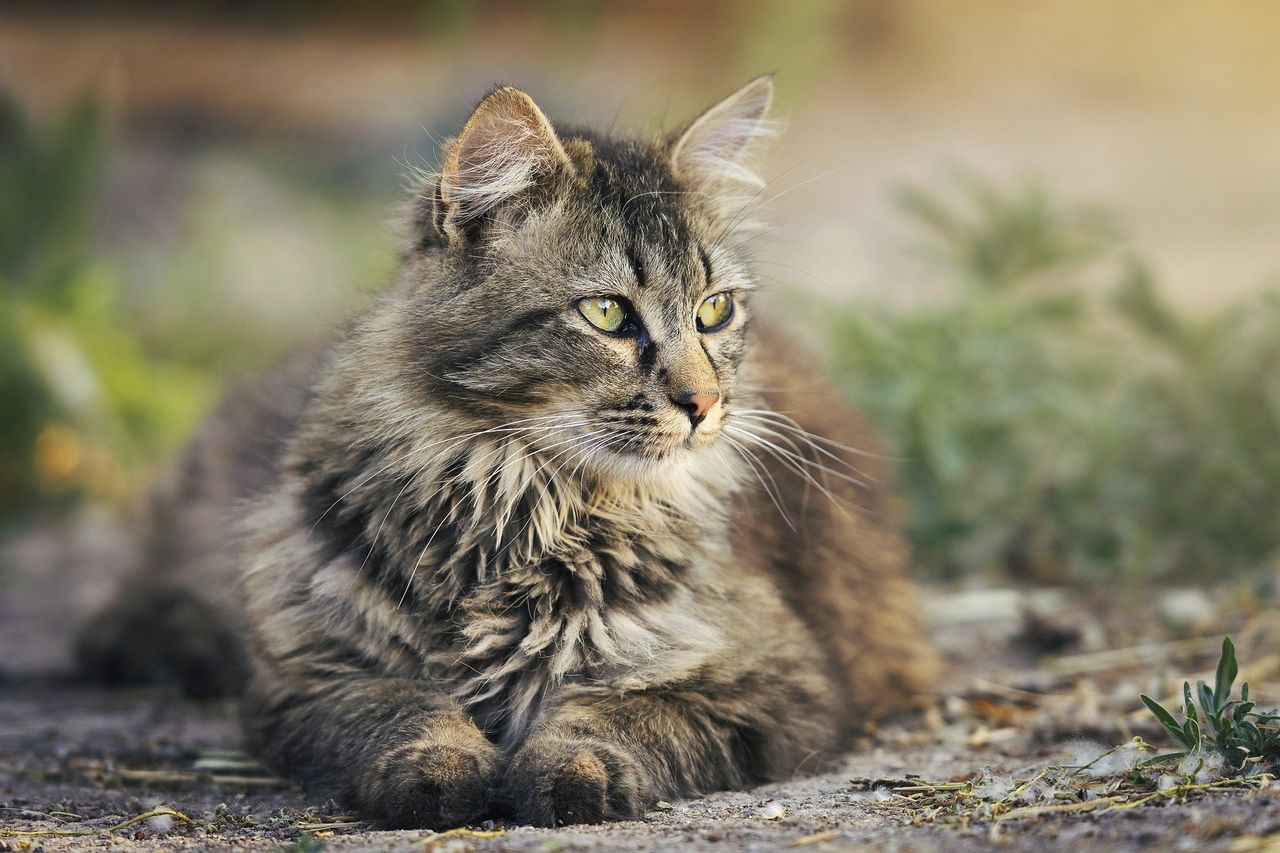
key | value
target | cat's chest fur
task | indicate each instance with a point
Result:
(608, 606)
(505, 589)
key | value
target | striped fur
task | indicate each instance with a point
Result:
(492, 567)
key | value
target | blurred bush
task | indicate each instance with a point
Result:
(84, 407)
(1054, 418)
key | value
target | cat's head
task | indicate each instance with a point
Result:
(588, 291)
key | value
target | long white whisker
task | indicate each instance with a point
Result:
(545, 487)
(413, 573)
(791, 422)
(756, 468)
(765, 427)
(536, 450)
(408, 482)
(746, 209)
(798, 458)
(784, 457)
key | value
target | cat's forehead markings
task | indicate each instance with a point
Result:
(637, 267)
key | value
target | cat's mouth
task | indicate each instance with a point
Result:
(659, 446)
(636, 444)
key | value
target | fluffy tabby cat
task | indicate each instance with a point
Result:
(538, 536)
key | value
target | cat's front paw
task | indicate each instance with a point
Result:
(556, 780)
(433, 783)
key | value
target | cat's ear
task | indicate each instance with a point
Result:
(712, 151)
(506, 148)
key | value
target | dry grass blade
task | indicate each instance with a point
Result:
(1059, 808)
(339, 822)
(124, 824)
(187, 777)
(437, 837)
(1133, 656)
(1182, 790)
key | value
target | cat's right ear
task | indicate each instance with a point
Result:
(506, 148)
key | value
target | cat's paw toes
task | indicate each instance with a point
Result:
(434, 784)
(557, 781)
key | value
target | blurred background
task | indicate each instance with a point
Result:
(1035, 242)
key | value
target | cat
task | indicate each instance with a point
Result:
(546, 533)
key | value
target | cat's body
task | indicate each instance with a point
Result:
(506, 546)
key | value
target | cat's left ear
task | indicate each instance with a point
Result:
(712, 151)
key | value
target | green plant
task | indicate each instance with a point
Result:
(1230, 728)
(83, 405)
(1053, 417)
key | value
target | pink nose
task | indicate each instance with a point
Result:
(696, 404)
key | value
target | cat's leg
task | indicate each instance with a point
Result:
(400, 751)
(152, 632)
(609, 756)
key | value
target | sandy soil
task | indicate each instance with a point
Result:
(76, 759)
(67, 741)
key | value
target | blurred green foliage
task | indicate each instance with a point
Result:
(84, 407)
(1054, 418)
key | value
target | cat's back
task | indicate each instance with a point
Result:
(178, 616)
(823, 523)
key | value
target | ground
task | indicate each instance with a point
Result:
(959, 773)
(71, 744)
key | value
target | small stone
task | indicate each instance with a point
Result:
(772, 811)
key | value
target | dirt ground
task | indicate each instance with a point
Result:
(68, 743)
(1029, 685)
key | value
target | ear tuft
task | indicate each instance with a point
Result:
(712, 149)
(506, 147)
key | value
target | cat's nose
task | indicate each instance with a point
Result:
(696, 404)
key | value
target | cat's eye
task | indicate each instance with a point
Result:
(715, 311)
(604, 312)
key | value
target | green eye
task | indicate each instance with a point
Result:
(715, 311)
(603, 312)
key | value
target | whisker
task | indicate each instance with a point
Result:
(819, 279)
(571, 440)
(441, 487)
(745, 211)
(545, 487)
(784, 457)
(422, 554)
(413, 573)
(771, 199)
(812, 447)
(757, 467)
(795, 425)
(800, 458)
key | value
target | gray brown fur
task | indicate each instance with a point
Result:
(452, 610)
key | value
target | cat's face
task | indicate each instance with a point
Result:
(600, 309)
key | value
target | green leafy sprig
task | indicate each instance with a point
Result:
(1246, 739)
